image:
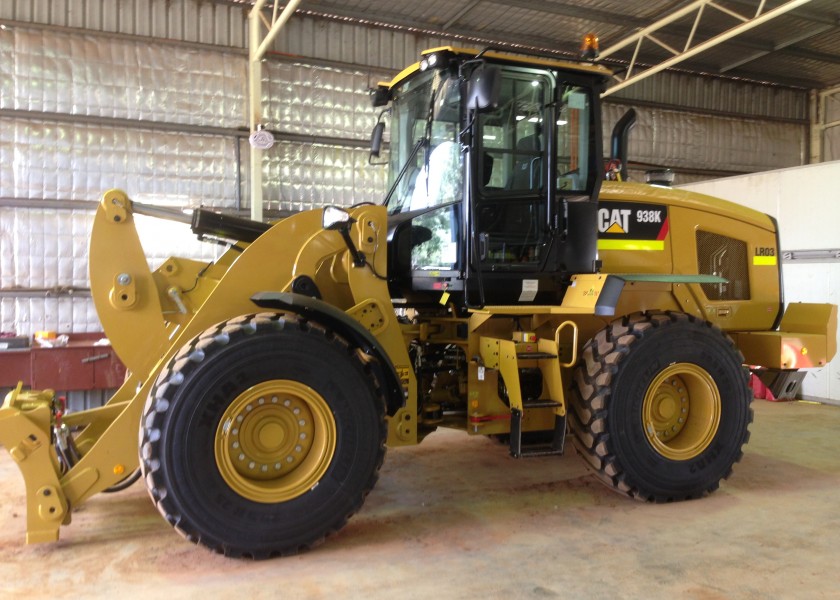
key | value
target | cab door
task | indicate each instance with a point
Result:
(511, 224)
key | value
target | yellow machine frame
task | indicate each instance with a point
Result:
(148, 316)
(152, 317)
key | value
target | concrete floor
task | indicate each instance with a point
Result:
(456, 518)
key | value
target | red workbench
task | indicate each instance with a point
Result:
(80, 365)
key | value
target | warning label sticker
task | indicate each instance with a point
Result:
(404, 375)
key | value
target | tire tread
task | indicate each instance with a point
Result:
(190, 358)
(601, 360)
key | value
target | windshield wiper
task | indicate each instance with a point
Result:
(405, 166)
(426, 141)
(428, 135)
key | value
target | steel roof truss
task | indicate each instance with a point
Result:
(696, 8)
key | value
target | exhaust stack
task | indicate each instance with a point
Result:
(618, 147)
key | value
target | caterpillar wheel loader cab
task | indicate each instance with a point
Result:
(496, 168)
(502, 289)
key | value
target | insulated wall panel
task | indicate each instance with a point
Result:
(318, 101)
(161, 239)
(224, 24)
(300, 176)
(80, 75)
(43, 248)
(49, 249)
(49, 160)
(63, 314)
(680, 139)
(719, 95)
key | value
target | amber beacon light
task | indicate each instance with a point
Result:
(589, 47)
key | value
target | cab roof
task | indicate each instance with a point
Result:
(503, 57)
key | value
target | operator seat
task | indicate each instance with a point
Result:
(527, 165)
(486, 168)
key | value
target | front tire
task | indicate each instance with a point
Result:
(661, 406)
(263, 436)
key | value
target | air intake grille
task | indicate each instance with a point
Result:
(725, 257)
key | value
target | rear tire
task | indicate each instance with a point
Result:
(263, 436)
(661, 406)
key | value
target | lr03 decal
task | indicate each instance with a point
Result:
(632, 226)
(765, 256)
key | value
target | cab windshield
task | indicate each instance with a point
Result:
(425, 111)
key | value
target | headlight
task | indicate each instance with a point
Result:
(430, 61)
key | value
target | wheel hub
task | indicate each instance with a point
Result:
(275, 441)
(669, 410)
(681, 411)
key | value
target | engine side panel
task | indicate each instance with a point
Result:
(649, 230)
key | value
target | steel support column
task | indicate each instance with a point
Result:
(257, 47)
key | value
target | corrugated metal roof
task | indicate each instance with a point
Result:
(800, 48)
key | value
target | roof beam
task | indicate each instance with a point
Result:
(801, 13)
(541, 44)
(689, 51)
(577, 12)
(460, 14)
(531, 43)
(776, 47)
(813, 55)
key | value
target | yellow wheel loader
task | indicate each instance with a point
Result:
(502, 288)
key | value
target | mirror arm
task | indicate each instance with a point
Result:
(358, 256)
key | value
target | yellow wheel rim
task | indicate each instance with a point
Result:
(275, 441)
(681, 411)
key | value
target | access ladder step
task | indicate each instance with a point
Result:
(526, 404)
(541, 450)
(555, 447)
(534, 355)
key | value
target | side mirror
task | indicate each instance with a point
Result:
(376, 139)
(336, 219)
(380, 96)
(484, 87)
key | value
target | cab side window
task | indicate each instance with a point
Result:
(512, 135)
